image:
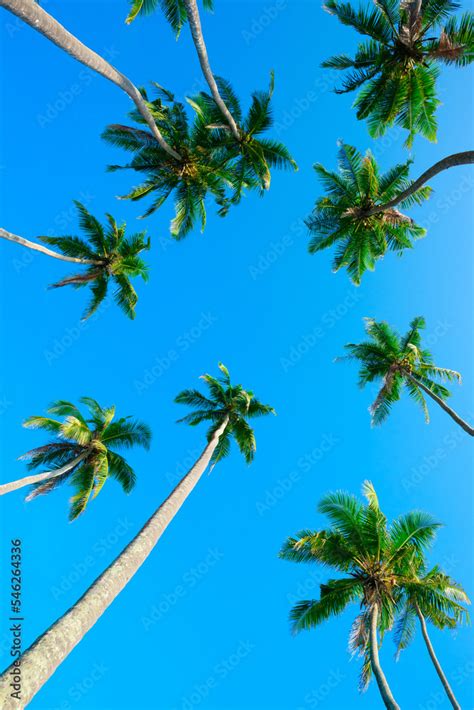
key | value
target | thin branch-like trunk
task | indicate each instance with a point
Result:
(40, 661)
(192, 13)
(436, 663)
(384, 688)
(464, 425)
(44, 250)
(451, 161)
(39, 477)
(30, 12)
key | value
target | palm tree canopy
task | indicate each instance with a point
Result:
(399, 361)
(93, 437)
(225, 400)
(212, 165)
(372, 556)
(340, 218)
(439, 598)
(115, 256)
(396, 67)
(173, 10)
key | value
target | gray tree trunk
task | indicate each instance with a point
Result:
(464, 425)
(198, 39)
(40, 661)
(44, 250)
(39, 477)
(451, 161)
(30, 12)
(436, 663)
(384, 688)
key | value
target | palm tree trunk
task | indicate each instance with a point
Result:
(30, 12)
(44, 250)
(384, 688)
(464, 425)
(451, 161)
(436, 663)
(39, 477)
(40, 661)
(198, 39)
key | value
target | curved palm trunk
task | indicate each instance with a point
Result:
(384, 688)
(198, 39)
(30, 12)
(44, 250)
(40, 661)
(464, 425)
(451, 161)
(39, 477)
(436, 663)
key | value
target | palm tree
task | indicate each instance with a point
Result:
(358, 214)
(401, 361)
(110, 256)
(33, 14)
(209, 165)
(82, 452)
(397, 65)
(372, 556)
(227, 409)
(177, 12)
(430, 595)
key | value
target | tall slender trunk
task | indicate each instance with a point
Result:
(40, 661)
(451, 161)
(384, 688)
(436, 663)
(30, 12)
(44, 250)
(464, 425)
(39, 477)
(198, 39)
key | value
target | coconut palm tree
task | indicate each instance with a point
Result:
(227, 409)
(396, 68)
(401, 361)
(110, 257)
(33, 14)
(371, 556)
(429, 595)
(358, 216)
(177, 12)
(82, 452)
(209, 165)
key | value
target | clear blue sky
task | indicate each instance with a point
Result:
(204, 623)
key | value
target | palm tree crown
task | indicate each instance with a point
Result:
(434, 595)
(87, 443)
(225, 401)
(173, 10)
(211, 162)
(342, 218)
(397, 64)
(398, 361)
(112, 257)
(373, 558)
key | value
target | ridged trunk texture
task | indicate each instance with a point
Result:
(39, 477)
(384, 688)
(40, 661)
(30, 12)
